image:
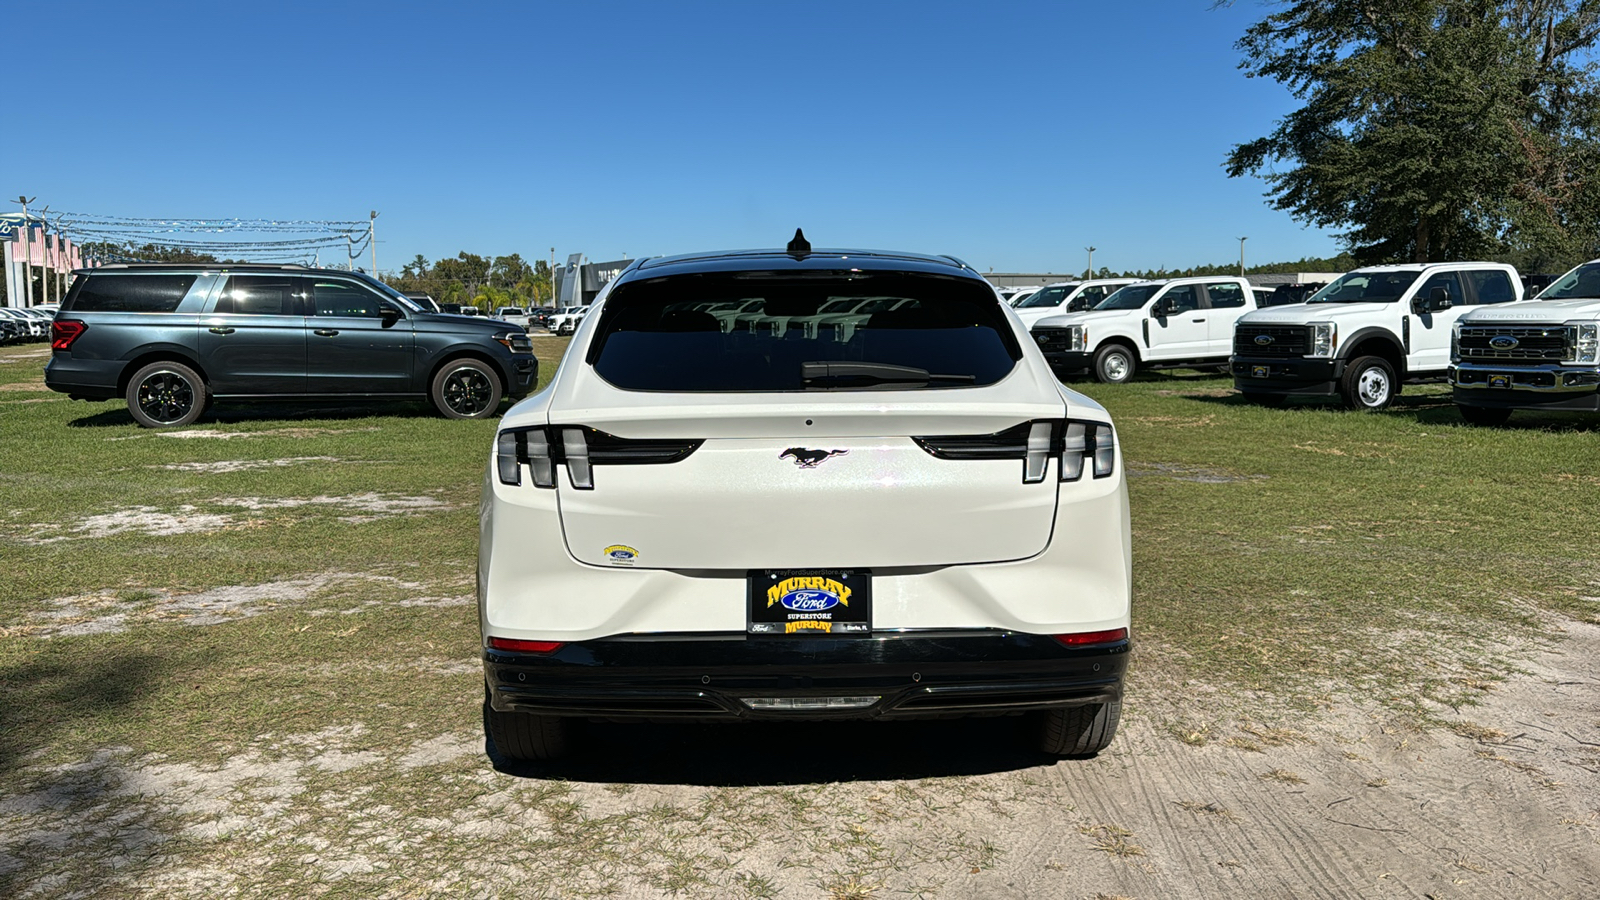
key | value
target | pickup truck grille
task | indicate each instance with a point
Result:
(1286, 340)
(1051, 338)
(1529, 345)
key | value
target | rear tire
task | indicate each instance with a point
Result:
(526, 737)
(1114, 364)
(1079, 731)
(1485, 416)
(465, 389)
(166, 394)
(1369, 383)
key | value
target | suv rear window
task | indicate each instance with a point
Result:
(786, 331)
(125, 292)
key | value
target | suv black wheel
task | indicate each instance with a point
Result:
(1481, 415)
(1079, 731)
(525, 737)
(164, 394)
(466, 389)
(1114, 364)
(1368, 383)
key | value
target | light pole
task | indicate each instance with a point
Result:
(27, 256)
(372, 238)
(1241, 255)
(1090, 273)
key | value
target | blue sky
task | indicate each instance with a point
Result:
(1012, 135)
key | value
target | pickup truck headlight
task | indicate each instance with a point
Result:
(1455, 342)
(1586, 349)
(1077, 338)
(1324, 339)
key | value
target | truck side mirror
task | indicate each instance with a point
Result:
(1438, 300)
(1161, 308)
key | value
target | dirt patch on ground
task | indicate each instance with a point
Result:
(186, 519)
(1179, 472)
(1350, 804)
(215, 434)
(105, 612)
(193, 519)
(242, 465)
(373, 505)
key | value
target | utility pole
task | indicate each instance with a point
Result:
(553, 277)
(1241, 255)
(27, 256)
(1091, 261)
(372, 240)
(48, 274)
(349, 252)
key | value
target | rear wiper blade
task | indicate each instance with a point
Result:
(837, 372)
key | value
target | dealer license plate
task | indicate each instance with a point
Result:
(809, 601)
(1259, 371)
(1500, 381)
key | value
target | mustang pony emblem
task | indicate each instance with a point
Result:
(808, 459)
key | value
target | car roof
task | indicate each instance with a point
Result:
(817, 260)
(1418, 267)
(210, 267)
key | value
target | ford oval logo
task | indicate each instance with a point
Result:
(1263, 339)
(1504, 342)
(809, 601)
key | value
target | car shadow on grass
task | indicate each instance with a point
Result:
(749, 754)
(117, 415)
(1424, 409)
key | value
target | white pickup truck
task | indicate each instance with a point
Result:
(1539, 355)
(1365, 333)
(1067, 296)
(1177, 322)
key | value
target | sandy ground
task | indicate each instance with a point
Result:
(1505, 802)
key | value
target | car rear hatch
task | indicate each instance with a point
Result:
(907, 444)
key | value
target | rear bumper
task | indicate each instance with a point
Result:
(712, 676)
(88, 378)
(1294, 375)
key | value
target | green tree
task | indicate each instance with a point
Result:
(1433, 129)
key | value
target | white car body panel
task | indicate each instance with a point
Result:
(953, 544)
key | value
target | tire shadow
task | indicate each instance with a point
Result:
(750, 754)
(118, 417)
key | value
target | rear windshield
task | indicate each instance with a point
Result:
(125, 292)
(783, 331)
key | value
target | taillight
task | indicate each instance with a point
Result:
(520, 646)
(1086, 638)
(580, 449)
(64, 331)
(1077, 444)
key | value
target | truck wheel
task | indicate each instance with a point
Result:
(465, 389)
(1480, 415)
(1114, 364)
(526, 737)
(1079, 731)
(1368, 383)
(164, 394)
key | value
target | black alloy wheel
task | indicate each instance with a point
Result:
(466, 389)
(165, 394)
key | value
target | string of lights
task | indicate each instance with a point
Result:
(125, 238)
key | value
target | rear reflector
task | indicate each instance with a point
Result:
(516, 646)
(1082, 638)
(64, 331)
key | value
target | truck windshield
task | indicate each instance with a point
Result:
(1134, 296)
(1366, 287)
(1584, 281)
(1050, 296)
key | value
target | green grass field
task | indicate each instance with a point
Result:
(284, 572)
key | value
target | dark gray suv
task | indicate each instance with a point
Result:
(171, 338)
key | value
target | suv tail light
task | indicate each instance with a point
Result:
(580, 449)
(64, 331)
(1077, 444)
